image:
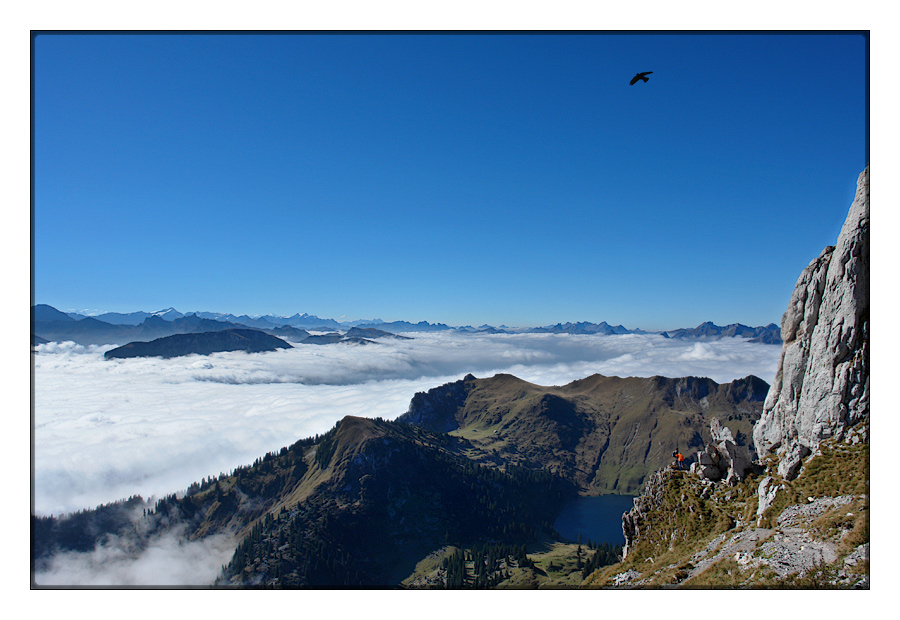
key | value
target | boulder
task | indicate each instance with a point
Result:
(705, 458)
(723, 458)
(792, 459)
(709, 472)
(718, 432)
(767, 492)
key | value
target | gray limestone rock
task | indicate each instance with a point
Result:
(718, 432)
(705, 458)
(767, 492)
(821, 387)
(646, 502)
(792, 460)
(723, 458)
(711, 472)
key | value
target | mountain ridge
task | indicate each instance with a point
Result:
(603, 434)
(200, 343)
(52, 325)
(366, 501)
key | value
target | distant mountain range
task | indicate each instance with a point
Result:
(371, 332)
(134, 318)
(112, 327)
(770, 334)
(88, 330)
(586, 328)
(269, 321)
(155, 335)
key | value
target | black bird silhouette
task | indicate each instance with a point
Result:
(640, 76)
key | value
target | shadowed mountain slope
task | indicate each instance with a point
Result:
(357, 506)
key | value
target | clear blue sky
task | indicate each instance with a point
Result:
(465, 179)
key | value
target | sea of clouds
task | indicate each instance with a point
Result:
(108, 429)
(104, 429)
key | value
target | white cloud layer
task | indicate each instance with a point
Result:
(108, 429)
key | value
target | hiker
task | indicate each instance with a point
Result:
(679, 459)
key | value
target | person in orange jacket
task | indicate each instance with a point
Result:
(679, 459)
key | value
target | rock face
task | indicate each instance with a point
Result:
(723, 459)
(436, 410)
(821, 387)
(649, 500)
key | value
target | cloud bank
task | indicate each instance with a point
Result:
(108, 429)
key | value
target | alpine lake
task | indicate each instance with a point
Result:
(596, 518)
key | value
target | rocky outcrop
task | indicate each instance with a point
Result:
(768, 489)
(821, 387)
(723, 458)
(812, 532)
(650, 499)
(819, 404)
(436, 409)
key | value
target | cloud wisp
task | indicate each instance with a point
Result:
(164, 560)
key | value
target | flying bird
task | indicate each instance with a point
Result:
(640, 76)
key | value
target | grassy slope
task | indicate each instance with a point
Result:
(555, 567)
(689, 520)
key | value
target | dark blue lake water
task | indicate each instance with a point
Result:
(597, 518)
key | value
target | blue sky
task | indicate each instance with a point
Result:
(466, 179)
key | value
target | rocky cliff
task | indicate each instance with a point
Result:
(798, 517)
(821, 387)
